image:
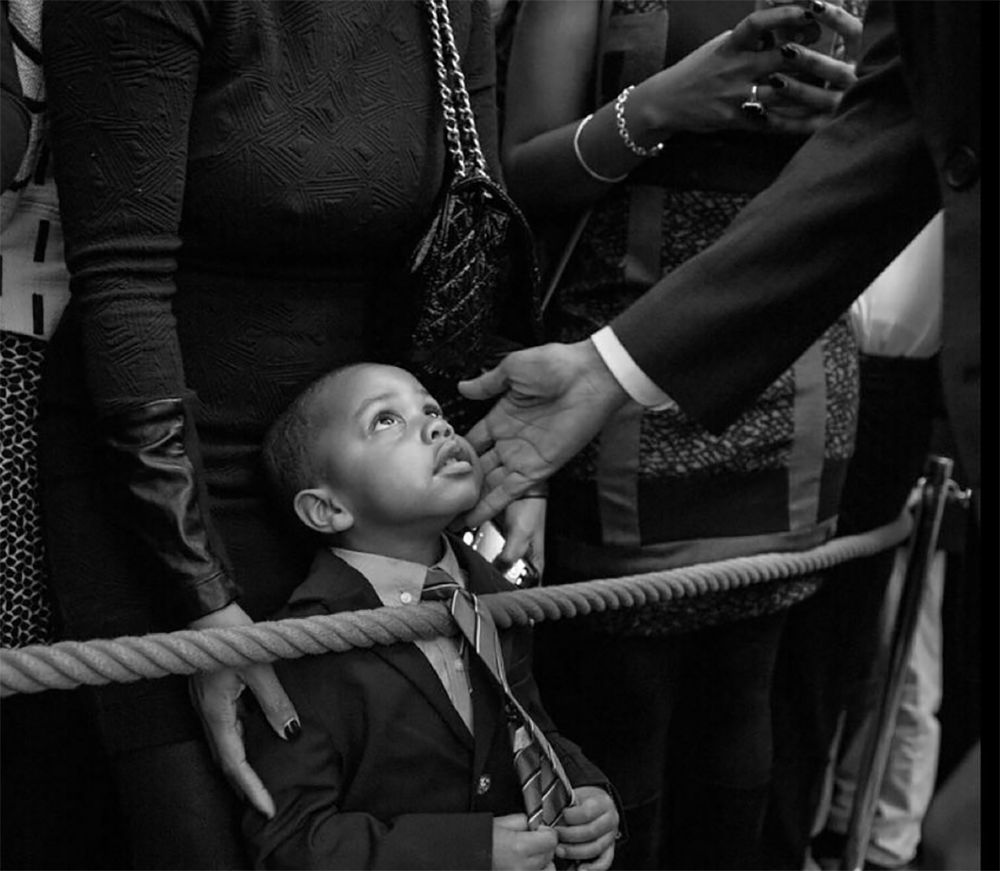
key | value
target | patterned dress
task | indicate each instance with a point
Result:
(655, 490)
(35, 290)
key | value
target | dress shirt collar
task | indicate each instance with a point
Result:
(398, 582)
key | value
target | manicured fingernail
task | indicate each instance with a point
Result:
(818, 7)
(789, 52)
(292, 730)
(776, 82)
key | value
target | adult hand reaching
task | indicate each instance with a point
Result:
(215, 695)
(555, 399)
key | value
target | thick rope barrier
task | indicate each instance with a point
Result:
(69, 664)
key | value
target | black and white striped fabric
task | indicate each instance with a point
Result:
(546, 788)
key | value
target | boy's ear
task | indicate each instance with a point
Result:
(323, 511)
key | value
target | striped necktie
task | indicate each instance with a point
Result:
(544, 784)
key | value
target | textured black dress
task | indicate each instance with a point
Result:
(239, 182)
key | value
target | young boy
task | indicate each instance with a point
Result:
(405, 758)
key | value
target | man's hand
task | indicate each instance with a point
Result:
(589, 829)
(555, 399)
(516, 848)
(215, 695)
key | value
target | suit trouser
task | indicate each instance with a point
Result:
(682, 727)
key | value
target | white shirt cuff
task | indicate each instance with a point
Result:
(633, 380)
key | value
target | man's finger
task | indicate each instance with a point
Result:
(273, 700)
(491, 504)
(486, 386)
(480, 438)
(489, 462)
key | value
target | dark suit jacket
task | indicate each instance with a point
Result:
(905, 143)
(385, 774)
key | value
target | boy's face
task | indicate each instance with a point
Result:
(391, 456)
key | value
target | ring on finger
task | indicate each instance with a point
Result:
(753, 107)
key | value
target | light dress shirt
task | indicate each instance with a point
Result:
(636, 383)
(899, 315)
(398, 583)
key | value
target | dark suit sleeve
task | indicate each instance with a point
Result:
(307, 778)
(715, 332)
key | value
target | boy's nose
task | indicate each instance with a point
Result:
(438, 428)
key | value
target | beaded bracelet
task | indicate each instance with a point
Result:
(607, 179)
(630, 143)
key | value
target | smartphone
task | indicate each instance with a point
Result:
(487, 541)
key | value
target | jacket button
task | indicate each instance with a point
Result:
(961, 169)
(484, 784)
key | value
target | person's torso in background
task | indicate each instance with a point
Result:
(315, 137)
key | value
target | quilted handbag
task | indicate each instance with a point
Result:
(473, 280)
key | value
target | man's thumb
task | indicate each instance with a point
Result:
(487, 385)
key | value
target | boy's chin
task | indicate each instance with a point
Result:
(458, 508)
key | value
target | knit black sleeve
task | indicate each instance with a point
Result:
(121, 79)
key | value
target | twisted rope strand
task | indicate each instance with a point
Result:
(69, 664)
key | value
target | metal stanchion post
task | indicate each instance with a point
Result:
(935, 490)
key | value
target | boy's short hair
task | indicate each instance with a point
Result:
(288, 445)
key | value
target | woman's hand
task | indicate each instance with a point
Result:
(524, 526)
(809, 89)
(705, 90)
(215, 696)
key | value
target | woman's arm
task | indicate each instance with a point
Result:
(121, 84)
(16, 120)
(121, 81)
(552, 64)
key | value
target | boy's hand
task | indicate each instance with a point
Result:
(589, 829)
(515, 848)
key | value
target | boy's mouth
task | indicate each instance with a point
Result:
(452, 457)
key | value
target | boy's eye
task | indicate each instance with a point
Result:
(433, 411)
(384, 419)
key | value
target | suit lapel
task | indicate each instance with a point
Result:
(334, 587)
